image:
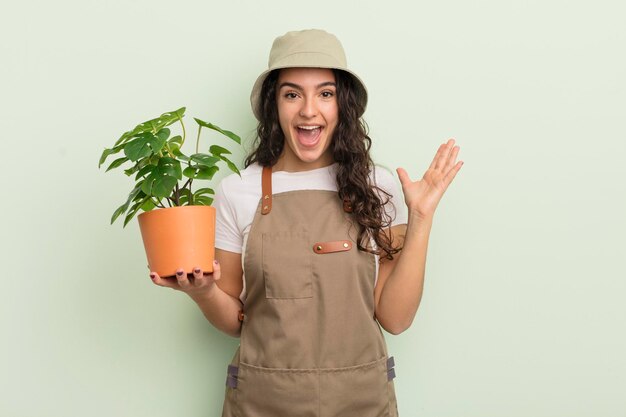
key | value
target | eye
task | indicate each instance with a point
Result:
(291, 95)
(327, 94)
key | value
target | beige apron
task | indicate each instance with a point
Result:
(310, 344)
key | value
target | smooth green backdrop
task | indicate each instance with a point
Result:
(523, 312)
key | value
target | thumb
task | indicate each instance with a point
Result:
(403, 176)
(217, 270)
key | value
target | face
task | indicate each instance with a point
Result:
(308, 114)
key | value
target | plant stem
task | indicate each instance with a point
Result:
(187, 184)
(177, 195)
(158, 203)
(169, 151)
(184, 131)
(198, 139)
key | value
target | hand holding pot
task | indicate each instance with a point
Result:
(193, 284)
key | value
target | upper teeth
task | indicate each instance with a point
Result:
(309, 127)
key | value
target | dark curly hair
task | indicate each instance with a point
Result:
(350, 148)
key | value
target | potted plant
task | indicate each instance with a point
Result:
(178, 223)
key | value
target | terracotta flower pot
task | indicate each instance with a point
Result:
(179, 237)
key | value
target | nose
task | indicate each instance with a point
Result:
(309, 108)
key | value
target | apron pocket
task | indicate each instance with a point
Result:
(277, 392)
(356, 391)
(287, 268)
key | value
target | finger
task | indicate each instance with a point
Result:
(163, 282)
(181, 278)
(451, 158)
(198, 277)
(403, 176)
(436, 158)
(452, 173)
(443, 156)
(217, 270)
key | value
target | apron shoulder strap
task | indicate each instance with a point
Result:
(266, 189)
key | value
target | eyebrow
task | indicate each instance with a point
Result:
(299, 87)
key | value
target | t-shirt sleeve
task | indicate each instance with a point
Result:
(395, 208)
(227, 234)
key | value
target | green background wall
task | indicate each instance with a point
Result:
(523, 312)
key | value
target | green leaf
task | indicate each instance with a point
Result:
(133, 194)
(204, 160)
(158, 141)
(180, 155)
(130, 171)
(206, 173)
(153, 125)
(201, 191)
(168, 118)
(218, 150)
(131, 134)
(138, 148)
(231, 165)
(176, 142)
(121, 209)
(203, 201)
(154, 160)
(145, 145)
(148, 205)
(190, 172)
(170, 166)
(163, 178)
(184, 200)
(163, 134)
(108, 152)
(123, 139)
(146, 187)
(200, 172)
(139, 165)
(227, 133)
(116, 163)
(134, 209)
(143, 171)
(163, 186)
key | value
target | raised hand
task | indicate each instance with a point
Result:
(423, 196)
(192, 284)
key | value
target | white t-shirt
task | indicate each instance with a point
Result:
(237, 198)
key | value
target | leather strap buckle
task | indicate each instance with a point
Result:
(331, 247)
(266, 189)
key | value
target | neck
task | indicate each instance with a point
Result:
(289, 165)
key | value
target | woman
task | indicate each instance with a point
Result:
(311, 255)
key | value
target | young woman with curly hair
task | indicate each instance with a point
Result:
(314, 250)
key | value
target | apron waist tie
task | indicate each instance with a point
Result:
(231, 378)
(391, 372)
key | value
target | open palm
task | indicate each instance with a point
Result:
(423, 196)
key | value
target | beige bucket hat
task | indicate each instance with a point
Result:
(311, 48)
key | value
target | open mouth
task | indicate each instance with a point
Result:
(309, 135)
